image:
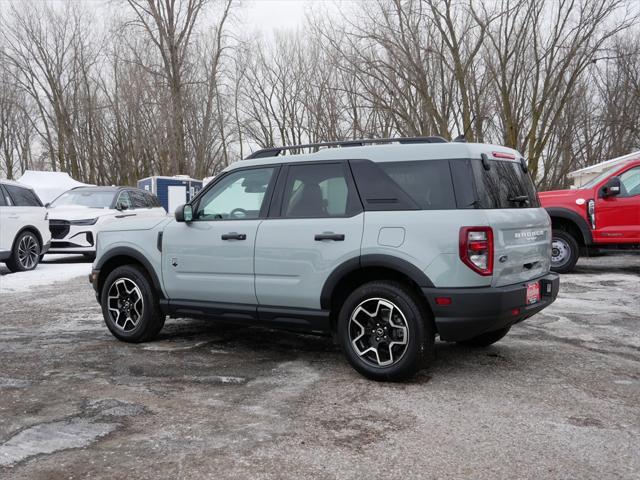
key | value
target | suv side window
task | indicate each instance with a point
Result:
(3, 198)
(240, 195)
(630, 181)
(138, 199)
(319, 190)
(152, 200)
(124, 199)
(23, 197)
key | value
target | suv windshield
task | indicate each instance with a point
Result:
(504, 185)
(85, 198)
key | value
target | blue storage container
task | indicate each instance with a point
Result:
(171, 191)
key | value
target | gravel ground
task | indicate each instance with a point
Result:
(559, 397)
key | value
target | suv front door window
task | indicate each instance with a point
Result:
(237, 196)
(210, 259)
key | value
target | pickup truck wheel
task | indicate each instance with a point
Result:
(25, 254)
(564, 252)
(130, 305)
(487, 338)
(385, 332)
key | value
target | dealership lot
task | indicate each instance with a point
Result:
(557, 398)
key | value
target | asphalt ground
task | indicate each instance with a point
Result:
(559, 397)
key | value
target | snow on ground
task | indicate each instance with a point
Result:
(54, 268)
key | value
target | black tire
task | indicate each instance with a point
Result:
(487, 338)
(410, 313)
(25, 254)
(566, 249)
(132, 327)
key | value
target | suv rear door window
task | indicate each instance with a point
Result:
(318, 191)
(504, 185)
(152, 200)
(23, 197)
(138, 199)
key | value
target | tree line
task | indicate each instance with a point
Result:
(176, 87)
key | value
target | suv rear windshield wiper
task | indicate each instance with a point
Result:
(519, 199)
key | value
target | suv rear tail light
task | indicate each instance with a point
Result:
(476, 249)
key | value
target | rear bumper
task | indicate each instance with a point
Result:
(474, 311)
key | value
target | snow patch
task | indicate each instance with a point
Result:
(46, 273)
(52, 437)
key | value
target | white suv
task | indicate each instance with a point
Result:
(24, 227)
(77, 215)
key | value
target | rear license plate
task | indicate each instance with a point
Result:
(533, 292)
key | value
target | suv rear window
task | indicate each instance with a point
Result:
(428, 183)
(23, 197)
(504, 185)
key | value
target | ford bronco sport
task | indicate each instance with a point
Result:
(601, 216)
(384, 244)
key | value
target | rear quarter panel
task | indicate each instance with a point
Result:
(430, 242)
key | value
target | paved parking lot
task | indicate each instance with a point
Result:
(558, 398)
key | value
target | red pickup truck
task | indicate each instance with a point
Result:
(602, 215)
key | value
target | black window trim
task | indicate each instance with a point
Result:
(275, 210)
(266, 202)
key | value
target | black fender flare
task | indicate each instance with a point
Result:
(137, 256)
(371, 260)
(572, 216)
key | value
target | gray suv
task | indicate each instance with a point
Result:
(384, 245)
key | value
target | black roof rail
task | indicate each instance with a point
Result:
(275, 151)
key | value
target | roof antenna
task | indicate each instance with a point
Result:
(462, 137)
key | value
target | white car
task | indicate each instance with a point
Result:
(76, 216)
(24, 227)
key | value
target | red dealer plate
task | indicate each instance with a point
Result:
(533, 292)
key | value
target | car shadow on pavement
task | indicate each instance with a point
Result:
(257, 344)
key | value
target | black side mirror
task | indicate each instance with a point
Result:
(122, 206)
(47, 205)
(184, 213)
(611, 188)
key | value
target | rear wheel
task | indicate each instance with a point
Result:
(564, 251)
(487, 338)
(25, 254)
(385, 332)
(130, 305)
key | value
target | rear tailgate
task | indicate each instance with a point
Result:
(522, 244)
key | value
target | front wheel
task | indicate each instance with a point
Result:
(130, 305)
(385, 333)
(25, 254)
(487, 338)
(564, 252)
